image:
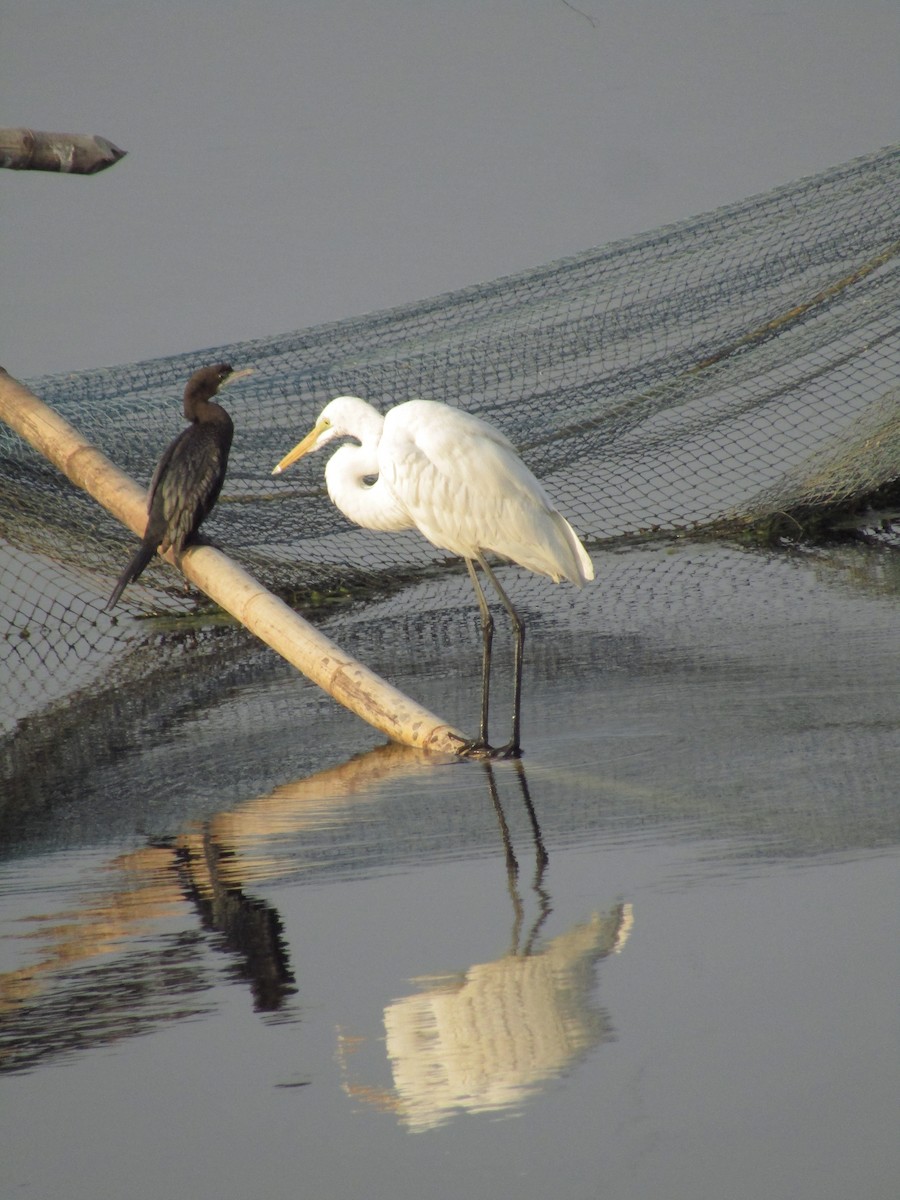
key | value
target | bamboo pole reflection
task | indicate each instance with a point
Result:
(132, 951)
(486, 1039)
(140, 911)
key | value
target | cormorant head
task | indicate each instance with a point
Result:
(205, 382)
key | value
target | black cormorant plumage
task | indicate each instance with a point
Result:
(188, 477)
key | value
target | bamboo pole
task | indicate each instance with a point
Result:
(68, 153)
(232, 588)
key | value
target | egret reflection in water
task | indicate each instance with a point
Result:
(129, 952)
(485, 1039)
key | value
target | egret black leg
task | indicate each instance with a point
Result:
(481, 745)
(513, 748)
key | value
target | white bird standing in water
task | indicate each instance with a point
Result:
(459, 482)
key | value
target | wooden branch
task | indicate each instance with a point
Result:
(70, 153)
(270, 619)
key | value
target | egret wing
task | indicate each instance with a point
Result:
(467, 490)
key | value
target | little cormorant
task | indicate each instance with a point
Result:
(189, 476)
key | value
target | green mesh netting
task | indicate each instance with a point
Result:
(731, 366)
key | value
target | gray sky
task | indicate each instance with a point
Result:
(297, 162)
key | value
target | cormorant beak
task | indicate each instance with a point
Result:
(304, 447)
(242, 374)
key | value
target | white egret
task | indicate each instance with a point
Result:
(459, 482)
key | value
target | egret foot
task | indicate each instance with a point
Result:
(479, 748)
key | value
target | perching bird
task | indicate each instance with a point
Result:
(460, 483)
(190, 474)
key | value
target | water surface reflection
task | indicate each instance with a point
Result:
(140, 944)
(484, 1039)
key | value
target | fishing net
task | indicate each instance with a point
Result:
(722, 371)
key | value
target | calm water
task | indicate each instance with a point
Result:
(657, 960)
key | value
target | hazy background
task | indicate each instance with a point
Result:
(295, 162)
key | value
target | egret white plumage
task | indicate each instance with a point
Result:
(459, 482)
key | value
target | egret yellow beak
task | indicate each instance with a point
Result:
(304, 447)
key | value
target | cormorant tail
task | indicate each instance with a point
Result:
(143, 555)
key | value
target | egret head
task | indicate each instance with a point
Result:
(345, 416)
